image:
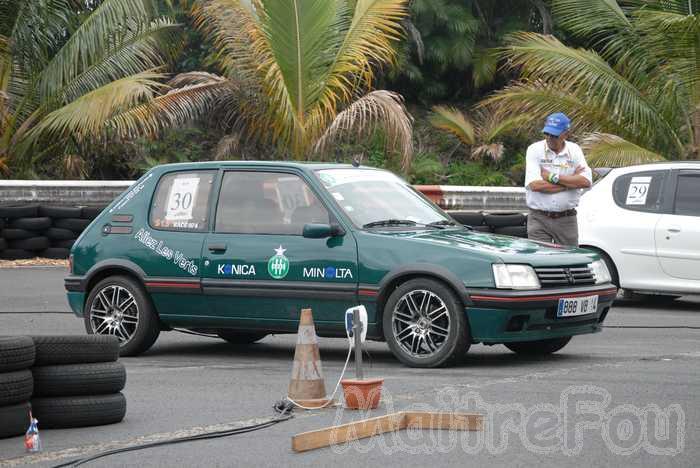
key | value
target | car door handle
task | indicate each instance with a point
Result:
(674, 230)
(217, 248)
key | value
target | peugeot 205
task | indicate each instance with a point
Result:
(237, 249)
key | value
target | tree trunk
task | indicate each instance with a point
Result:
(695, 150)
(545, 15)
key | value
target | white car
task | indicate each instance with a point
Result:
(645, 220)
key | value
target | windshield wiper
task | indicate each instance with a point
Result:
(400, 222)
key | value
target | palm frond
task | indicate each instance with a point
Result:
(85, 117)
(453, 121)
(177, 106)
(376, 110)
(606, 150)
(141, 49)
(484, 66)
(585, 74)
(227, 147)
(493, 151)
(109, 22)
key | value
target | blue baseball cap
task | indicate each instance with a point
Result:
(556, 124)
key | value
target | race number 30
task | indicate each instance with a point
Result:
(182, 199)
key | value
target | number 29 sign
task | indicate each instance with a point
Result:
(182, 199)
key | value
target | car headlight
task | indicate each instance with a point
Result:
(515, 276)
(600, 272)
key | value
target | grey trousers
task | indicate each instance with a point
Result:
(563, 231)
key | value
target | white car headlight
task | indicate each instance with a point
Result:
(600, 272)
(515, 276)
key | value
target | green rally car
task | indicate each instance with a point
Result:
(239, 248)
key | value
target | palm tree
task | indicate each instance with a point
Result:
(68, 68)
(634, 92)
(292, 74)
(483, 135)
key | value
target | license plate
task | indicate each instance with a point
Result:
(571, 307)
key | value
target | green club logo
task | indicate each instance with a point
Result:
(278, 266)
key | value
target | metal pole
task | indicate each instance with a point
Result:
(357, 332)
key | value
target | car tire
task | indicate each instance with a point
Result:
(16, 353)
(515, 231)
(400, 319)
(13, 212)
(59, 212)
(17, 254)
(17, 234)
(57, 253)
(15, 419)
(98, 378)
(468, 218)
(539, 347)
(75, 349)
(240, 338)
(91, 212)
(63, 244)
(73, 224)
(15, 387)
(31, 224)
(505, 219)
(79, 411)
(33, 243)
(134, 338)
(59, 234)
(3, 243)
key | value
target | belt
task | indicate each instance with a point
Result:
(556, 214)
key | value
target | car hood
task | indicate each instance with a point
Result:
(506, 248)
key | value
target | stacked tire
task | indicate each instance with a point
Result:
(77, 381)
(17, 355)
(23, 232)
(508, 224)
(30, 231)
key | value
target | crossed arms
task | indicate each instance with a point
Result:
(574, 181)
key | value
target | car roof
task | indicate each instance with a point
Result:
(661, 165)
(305, 166)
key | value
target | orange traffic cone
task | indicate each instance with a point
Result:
(307, 387)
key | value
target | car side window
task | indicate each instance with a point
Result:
(181, 201)
(688, 194)
(640, 191)
(266, 203)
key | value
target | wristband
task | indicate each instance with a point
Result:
(555, 179)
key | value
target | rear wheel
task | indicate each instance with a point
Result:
(119, 306)
(240, 338)
(425, 324)
(540, 347)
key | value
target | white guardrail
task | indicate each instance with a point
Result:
(99, 193)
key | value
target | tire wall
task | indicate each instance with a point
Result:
(32, 230)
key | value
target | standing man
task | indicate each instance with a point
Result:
(556, 173)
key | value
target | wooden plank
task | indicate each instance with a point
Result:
(347, 432)
(445, 421)
(389, 423)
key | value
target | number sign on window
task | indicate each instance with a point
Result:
(182, 199)
(638, 191)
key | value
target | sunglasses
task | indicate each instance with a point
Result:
(553, 137)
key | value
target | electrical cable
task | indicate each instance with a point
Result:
(335, 390)
(189, 332)
(651, 327)
(285, 414)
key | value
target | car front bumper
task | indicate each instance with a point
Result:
(498, 316)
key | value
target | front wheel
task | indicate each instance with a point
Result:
(540, 347)
(425, 324)
(119, 306)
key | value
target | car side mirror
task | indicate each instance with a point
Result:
(321, 231)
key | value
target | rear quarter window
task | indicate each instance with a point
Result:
(640, 191)
(181, 201)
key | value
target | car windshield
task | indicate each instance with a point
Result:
(375, 198)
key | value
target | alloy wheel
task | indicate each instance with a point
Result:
(421, 323)
(114, 312)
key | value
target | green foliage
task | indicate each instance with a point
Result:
(472, 173)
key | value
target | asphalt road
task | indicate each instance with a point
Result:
(627, 396)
